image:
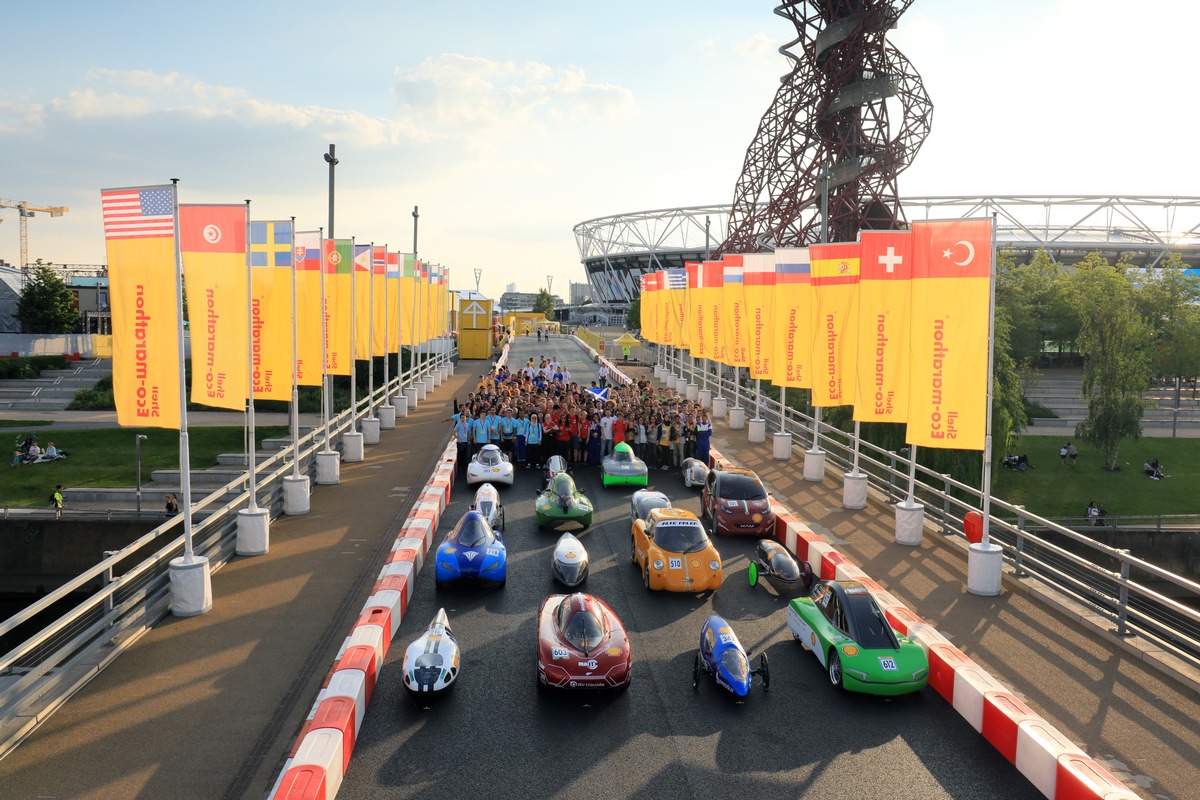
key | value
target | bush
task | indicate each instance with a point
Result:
(26, 367)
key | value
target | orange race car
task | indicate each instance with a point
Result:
(674, 553)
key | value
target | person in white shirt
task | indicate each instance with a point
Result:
(606, 433)
(603, 376)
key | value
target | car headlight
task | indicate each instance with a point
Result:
(493, 566)
(658, 564)
(448, 565)
(714, 565)
(858, 673)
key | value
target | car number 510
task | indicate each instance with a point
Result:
(888, 664)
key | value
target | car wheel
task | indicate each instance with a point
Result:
(696, 674)
(835, 669)
(646, 575)
(765, 668)
(632, 549)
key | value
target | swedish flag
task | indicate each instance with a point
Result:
(271, 244)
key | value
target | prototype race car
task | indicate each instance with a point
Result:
(674, 553)
(581, 644)
(734, 501)
(695, 472)
(561, 506)
(556, 465)
(844, 627)
(644, 501)
(490, 465)
(431, 661)
(487, 502)
(773, 562)
(471, 551)
(722, 656)
(623, 468)
(569, 562)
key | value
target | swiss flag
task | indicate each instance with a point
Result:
(886, 255)
(212, 228)
(960, 248)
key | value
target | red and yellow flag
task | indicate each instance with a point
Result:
(883, 326)
(271, 309)
(951, 285)
(393, 302)
(379, 310)
(758, 284)
(362, 301)
(212, 241)
(793, 318)
(309, 303)
(649, 307)
(337, 258)
(139, 239)
(835, 273)
(735, 333)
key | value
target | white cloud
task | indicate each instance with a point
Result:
(134, 79)
(86, 103)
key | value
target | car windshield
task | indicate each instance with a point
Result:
(556, 464)
(584, 630)
(474, 532)
(680, 535)
(648, 504)
(563, 488)
(490, 458)
(485, 507)
(741, 487)
(785, 567)
(871, 629)
(734, 662)
(623, 457)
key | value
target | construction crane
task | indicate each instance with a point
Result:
(25, 211)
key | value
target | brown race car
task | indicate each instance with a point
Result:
(581, 644)
(734, 501)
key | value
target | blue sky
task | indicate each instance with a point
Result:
(508, 123)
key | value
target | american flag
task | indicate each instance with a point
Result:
(147, 213)
(676, 279)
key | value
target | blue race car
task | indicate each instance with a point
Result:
(722, 656)
(472, 551)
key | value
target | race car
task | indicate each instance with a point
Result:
(848, 633)
(471, 552)
(561, 506)
(623, 468)
(556, 465)
(722, 656)
(490, 465)
(673, 552)
(581, 644)
(695, 472)
(734, 501)
(487, 502)
(773, 562)
(644, 501)
(569, 561)
(431, 661)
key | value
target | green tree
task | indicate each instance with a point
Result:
(1167, 301)
(633, 317)
(1115, 343)
(544, 304)
(46, 304)
(1032, 297)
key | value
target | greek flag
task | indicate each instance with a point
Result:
(676, 279)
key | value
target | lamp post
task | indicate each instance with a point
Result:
(137, 457)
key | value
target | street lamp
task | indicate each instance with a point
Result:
(137, 450)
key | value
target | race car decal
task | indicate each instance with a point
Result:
(613, 651)
(675, 563)
(493, 551)
(887, 663)
(726, 638)
(590, 664)
(470, 555)
(559, 652)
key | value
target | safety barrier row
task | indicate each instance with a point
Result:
(321, 753)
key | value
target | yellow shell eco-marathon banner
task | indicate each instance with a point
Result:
(139, 240)
(362, 301)
(758, 284)
(952, 271)
(308, 308)
(271, 309)
(649, 309)
(212, 240)
(793, 318)
(884, 293)
(379, 315)
(392, 299)
(337, 260)
(735, 322)
(835, 270)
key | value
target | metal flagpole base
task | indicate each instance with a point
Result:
(387, 417)
(910, 523)
(352, 447)
(719, 407)
(854, 490)
(737, 418)
(814, 465)
(691, 390)
(329, 468)
(253, 532)
(704, 397)
(295, 495)
(400, 401)
(985, 565)
(191, 586)
(757, 433)
(781, 446)
(411, 394)
(370, 430)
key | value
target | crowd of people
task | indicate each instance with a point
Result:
(537, 411)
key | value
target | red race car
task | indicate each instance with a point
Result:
(734, 501)
(581, 644)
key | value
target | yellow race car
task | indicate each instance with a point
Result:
(674, 553)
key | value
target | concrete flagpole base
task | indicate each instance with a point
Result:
(422, 387)
(658, 371)
(352, 447)
(400, 401)
(191, 586)
(253, 532)
(985, 565)
(737, 418)
(704, 397)
(814, 465)
(691, 390)
(411, 395)
(681, 385)
(370, 430)
(720, 407)
(296, 496)
(781, 446)
(757, 431)
(854, 490)
(435, 379)
(910, 523)
(387, 417)
(329, 468)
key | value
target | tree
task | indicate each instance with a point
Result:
(633, 317)
(1032, 296)
(1115, 342)
(544, 304)
(46, 304)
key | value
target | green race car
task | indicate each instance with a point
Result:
(561, 506)
(623, 468)
(846, 630)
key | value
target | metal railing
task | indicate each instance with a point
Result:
(54, 659)
(1140, 598)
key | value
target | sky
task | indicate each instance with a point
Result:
(509, 123)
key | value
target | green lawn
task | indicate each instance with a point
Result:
(1054, 490)
(105, 457)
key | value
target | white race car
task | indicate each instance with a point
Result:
(644, 501)
(431, 662)
(491, 466)
(487, 503)
(695, 472)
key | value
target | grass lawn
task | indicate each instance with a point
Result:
(105, 457)
(1053, 489)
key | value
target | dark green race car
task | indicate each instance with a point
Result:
(848, 633)
(561, 506)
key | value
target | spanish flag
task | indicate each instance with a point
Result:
(337, 260)
(271, 309)
(793, 318)
(951, 286)
(212, 240)
(884, 291)
(835, 274)
(758, 283)
(309, 303)
(139, 240)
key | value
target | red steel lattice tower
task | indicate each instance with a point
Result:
(852, 102)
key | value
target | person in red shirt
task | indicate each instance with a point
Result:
(563, 436)
(620, 426)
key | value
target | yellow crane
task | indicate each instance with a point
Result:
(25, 211)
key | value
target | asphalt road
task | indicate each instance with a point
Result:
(495, 735)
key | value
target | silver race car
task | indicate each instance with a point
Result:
(487, 503)
(569, 563)
(431, 662)
(490, 465)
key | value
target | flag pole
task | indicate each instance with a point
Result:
(371, 332)
(387, 307)
(324, 349)
(353, 342)
(295, 421)
(251, 461)
(185, 456)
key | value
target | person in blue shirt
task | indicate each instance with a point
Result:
(493, 428)
(462, 436)
(479, 435)
(533, 440)
(508, 433)
(522, 440)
